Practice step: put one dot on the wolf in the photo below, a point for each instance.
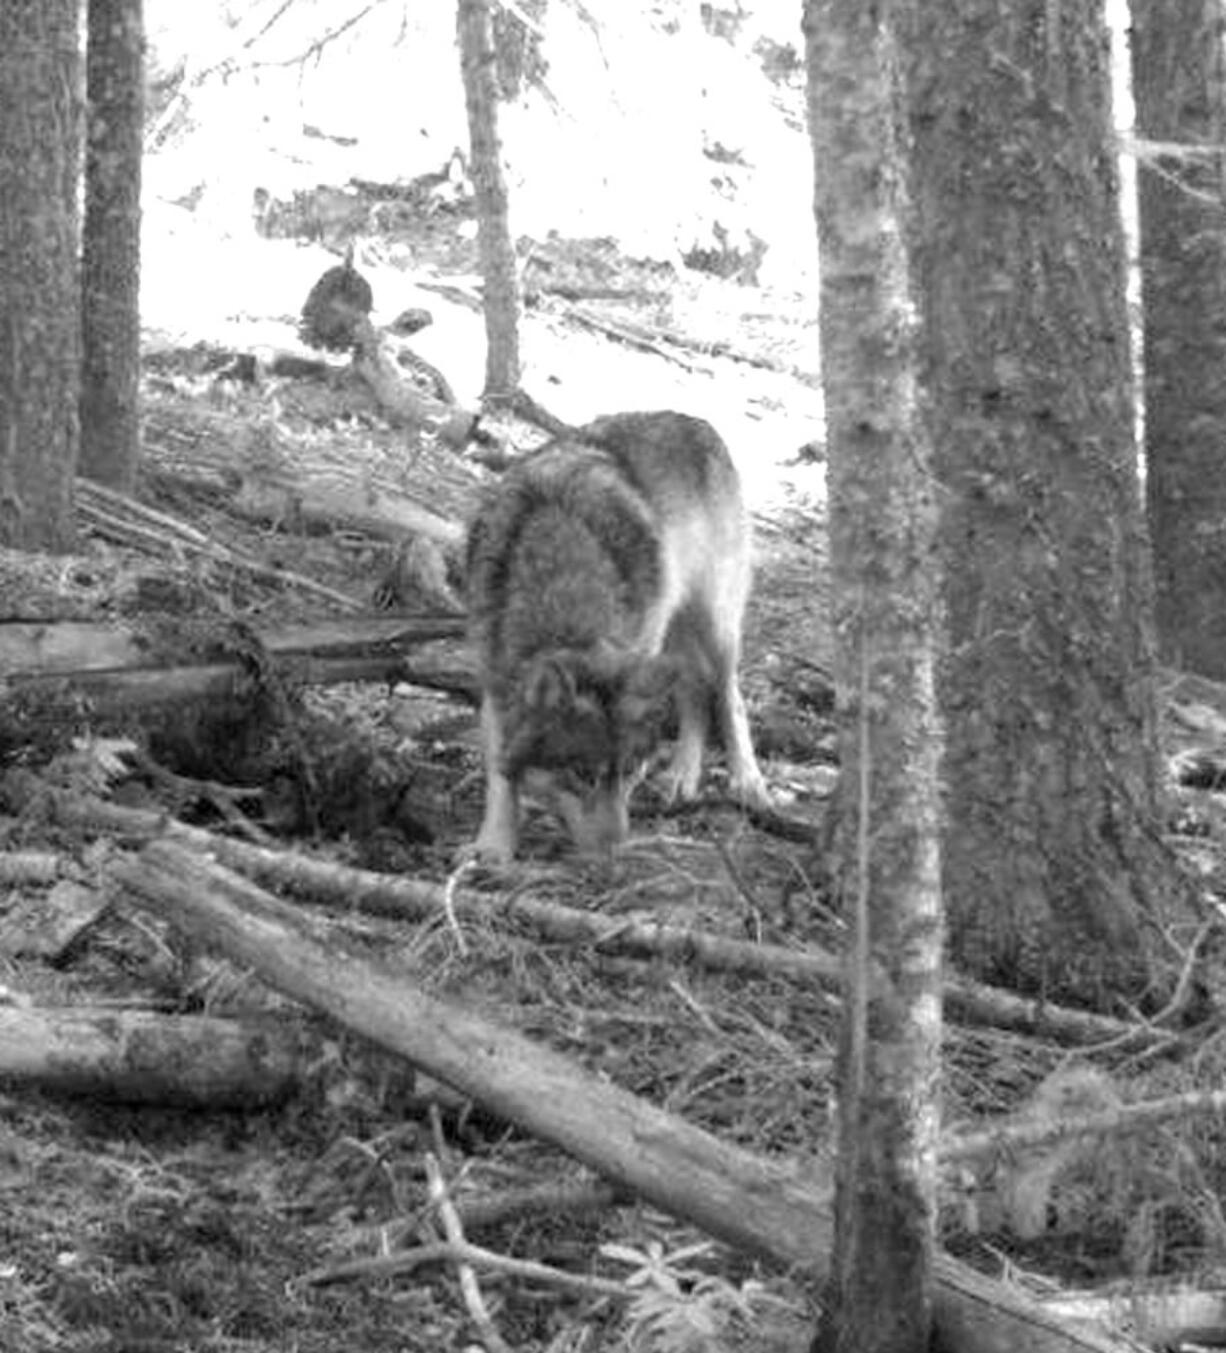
(607, 575)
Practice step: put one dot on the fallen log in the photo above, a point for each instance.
(114, 516)
(266, 476)
(46, 925)
(412, 899)
(343, 499)
(50, 664)
(1163, 1314)
(780, 1211)
(140, 1057)
(36, 648)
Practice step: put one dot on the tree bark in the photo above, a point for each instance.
(1179, 85)
(52, 672)
(138, 1057)
(40, 381)
(47, 924)
(110, 246)
(762, 1206)
(883, 524)
(1056, 879)
(497, 249)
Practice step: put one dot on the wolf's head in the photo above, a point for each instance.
(580, 729)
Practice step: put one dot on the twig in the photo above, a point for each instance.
(737, 880)
(631, 335)
(224, 798)
(454, 879)
(473, 1300)
(444, 1252)
(582, 1198)
(320, 43)
(267, 25)
(1179, 998)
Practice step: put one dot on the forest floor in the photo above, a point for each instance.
(146, 1228)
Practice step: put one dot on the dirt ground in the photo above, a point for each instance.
(147, 1229)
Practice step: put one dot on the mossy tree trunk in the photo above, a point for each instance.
(40, 159)
(1179, 84)
(885, 584)
(497, 249)
(1056, 880)
(110, 269)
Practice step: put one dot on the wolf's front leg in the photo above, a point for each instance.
(685, 768)
(499, 834)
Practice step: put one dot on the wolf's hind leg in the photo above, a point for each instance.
(744, 775)
(685, 769)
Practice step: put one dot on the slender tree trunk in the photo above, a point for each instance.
(883, 525)
(1055, 877)
(110, 271)
(498, 264)
(40, 121)
(517, 46)
(1179, 83)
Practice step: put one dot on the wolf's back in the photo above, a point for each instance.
(668, 457)
(571, 546)
(607, 580)
(563, 551)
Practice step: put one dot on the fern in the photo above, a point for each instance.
(678, 1308)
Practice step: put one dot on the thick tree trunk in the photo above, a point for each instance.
(498, 265)
(110, 261)
(883, 523)
(1055, 877)
(1179, 84)
(40, 156)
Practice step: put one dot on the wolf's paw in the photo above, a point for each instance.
(493, 850)
(677, 789)
(679, 780)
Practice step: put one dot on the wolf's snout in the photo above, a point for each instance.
(600, 824)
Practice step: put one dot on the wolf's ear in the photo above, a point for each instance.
(648, 692)
(549, 685)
